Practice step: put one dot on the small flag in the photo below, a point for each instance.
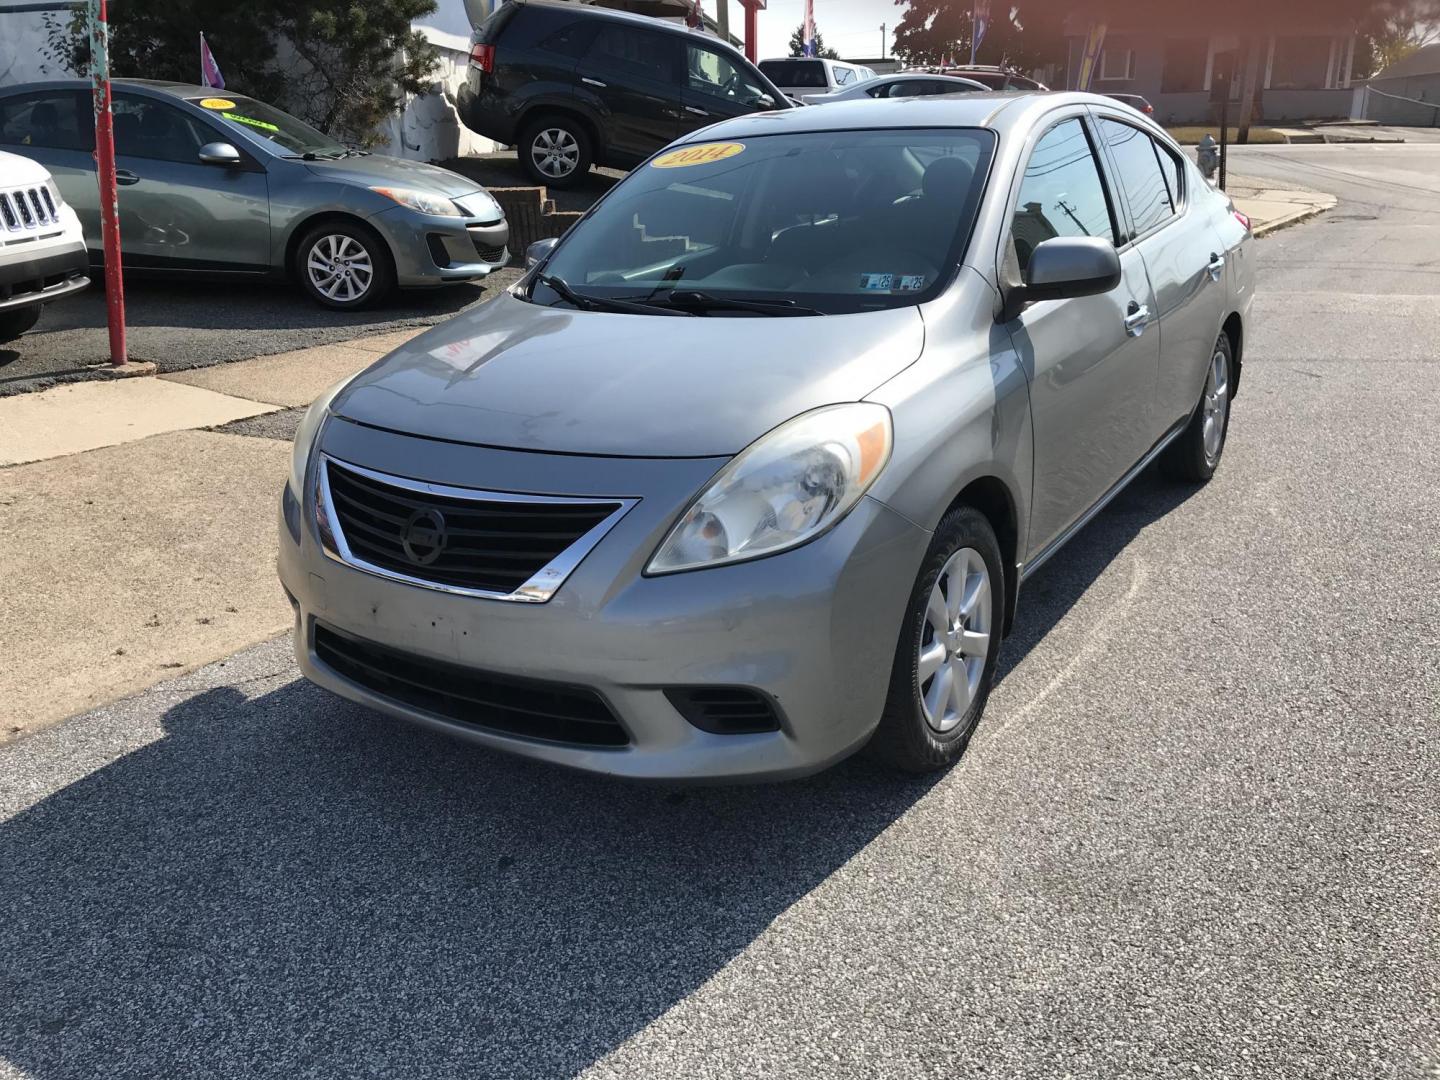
(209, 70)
(980, 22)
(808, 34)
(695, 20)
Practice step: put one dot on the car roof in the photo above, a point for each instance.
(629, 18)
(998, 109)
(172, 89)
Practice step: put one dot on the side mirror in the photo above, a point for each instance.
(219, 153)
(536, 252)
(765, 101)
(1064, 267)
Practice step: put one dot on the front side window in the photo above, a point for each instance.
(278, 131)
(1136, 160)
(844, 76)
(708, 72)
(152, 129)
(837, 221)
(637, 53)
(55, 119)
(1061, 193)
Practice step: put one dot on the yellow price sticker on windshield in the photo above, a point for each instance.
(704, 154)
(216, 103)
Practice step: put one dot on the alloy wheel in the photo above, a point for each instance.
(340, 268)
(955, 640)
(1216, 405)
(555, 152)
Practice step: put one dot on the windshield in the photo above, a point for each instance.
(835, 221)
(794, 72)
(280, 132)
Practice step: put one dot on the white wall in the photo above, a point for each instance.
(22, 48)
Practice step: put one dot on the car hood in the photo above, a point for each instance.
(523, 376)
(379, 169)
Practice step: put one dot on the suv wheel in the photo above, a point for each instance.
(1195, 455)
(555, 151)
(16, 322)
(949, 643)
(344, 265)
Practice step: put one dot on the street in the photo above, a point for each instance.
(1195, 835)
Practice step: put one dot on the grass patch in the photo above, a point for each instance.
(1190, 135)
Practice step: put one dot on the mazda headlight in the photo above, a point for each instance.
(785, 489)
(423, 201)
(305, 436)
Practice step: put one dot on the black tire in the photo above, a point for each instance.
(333, 243)
(561, 140)
(1190, 458)
(906, 738)
(16, 322)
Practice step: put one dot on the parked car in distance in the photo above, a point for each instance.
(801, 75)
(1136, 101)
(570, 86)
(42, 252)
(897, 86)
(749, 470)
(996, 78)
(217, 183)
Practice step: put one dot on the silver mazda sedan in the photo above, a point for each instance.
(749, 471)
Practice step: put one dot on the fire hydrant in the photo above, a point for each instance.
(1207, 156)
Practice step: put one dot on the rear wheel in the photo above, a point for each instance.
(16, 322)
(949, 643)
(344, 265)
(1195, 455)
(555, 151)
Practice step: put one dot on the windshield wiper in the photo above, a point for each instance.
(692, 300)
(600, 303)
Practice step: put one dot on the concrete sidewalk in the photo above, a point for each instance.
(1270, 208)
(134, 545)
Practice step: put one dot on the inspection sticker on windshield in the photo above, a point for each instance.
(261, 124)
(892, 282)
(216, 103)
(697, 155)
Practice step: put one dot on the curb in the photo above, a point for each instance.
(1293, 218)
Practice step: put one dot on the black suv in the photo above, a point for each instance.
(570, 86)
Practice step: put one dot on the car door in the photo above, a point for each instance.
(1182, 257)
(57, 129)
(177, 212)
(717, 87)
(635, 77)
(1092, 365)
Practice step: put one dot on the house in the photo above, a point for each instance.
(1298, 76)
(1406, 93)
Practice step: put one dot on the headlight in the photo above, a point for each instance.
(785, 489)
(305, 437)
(55, 194)
(423, 201)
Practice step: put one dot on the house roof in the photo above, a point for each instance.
(1424, 61)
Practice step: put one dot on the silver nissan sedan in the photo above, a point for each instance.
(748, 471)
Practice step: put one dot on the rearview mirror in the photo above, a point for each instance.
(219, 153)
(536, 252)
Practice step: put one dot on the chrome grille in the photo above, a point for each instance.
(26, 209)
(481, 543)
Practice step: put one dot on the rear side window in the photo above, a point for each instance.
(1061, 193)
(1174, 168)
(55, 119)
(1147, 190)
(807, 73)
(635, 52)
(569, 41)
(843, 76)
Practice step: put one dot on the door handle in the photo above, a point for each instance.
(126, 177)
(697, 112)
(1217, 264)
(593, 82)
(1136, 318)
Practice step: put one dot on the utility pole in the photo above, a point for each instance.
(105, 171)
(722, 19)
(882, 39)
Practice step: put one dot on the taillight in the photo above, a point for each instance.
(483, 57)
(1241, 218)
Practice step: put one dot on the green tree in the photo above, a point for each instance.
(797, 44)
(932, 30)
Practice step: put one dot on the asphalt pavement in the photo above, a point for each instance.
(1195, 836)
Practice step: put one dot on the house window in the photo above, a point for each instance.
(1117, 64)
(1300, 63)
(1184, 66)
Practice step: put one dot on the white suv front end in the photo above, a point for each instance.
(42, 250)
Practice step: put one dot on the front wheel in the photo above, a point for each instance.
(344, 266)
(16, 322)
(1195, 455)
(949, 643)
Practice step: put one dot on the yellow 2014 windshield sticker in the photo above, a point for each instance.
(261, 124)
(704, 154)
(216, 103)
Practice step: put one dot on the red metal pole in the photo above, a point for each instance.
(105, 169)
(751, 28)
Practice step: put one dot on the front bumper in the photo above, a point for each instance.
(813, 629)
(40, 279)
(432, 250)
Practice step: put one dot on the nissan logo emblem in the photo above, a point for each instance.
(423, 536)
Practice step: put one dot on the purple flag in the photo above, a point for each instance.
(209, 70)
